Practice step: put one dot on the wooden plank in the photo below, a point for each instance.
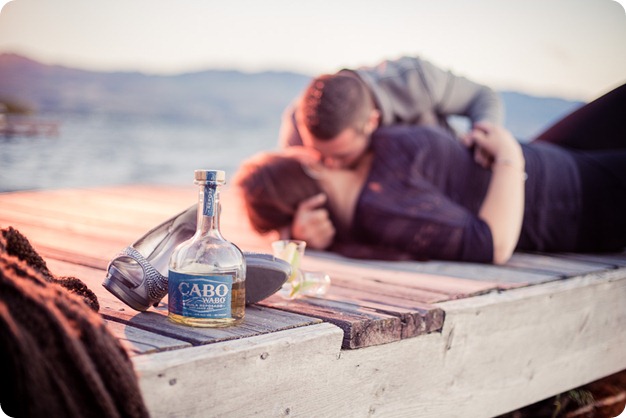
(480, 361)
(370, 312)
(166, 377)
(158, 194)
(89, 205)
(362, 326)
(386, 289)
(496, 353)
(137, 341)
(50, 254)
(555, 265)
(610, 259)
(505, 277)
(66, 242)
(95, 224)
(151, 198)
(523, 269)
(105, 213)
(416, 318)
(363, 323)
(259, 320)
(453, 287)
(366, 318)
(59, 221)
(363, 290)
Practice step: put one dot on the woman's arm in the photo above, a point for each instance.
(503, 207)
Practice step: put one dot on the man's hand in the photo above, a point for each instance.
(311, 223)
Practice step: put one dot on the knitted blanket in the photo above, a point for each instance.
(57, 359)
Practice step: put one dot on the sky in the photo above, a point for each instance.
(575, 49)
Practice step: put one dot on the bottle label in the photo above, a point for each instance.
(200, 296)
(209, 199)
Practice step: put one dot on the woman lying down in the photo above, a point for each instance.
(420, 194)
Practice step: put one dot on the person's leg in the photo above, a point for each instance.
(603, 185)
(595, 126)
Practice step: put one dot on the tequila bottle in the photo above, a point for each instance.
(207, 273)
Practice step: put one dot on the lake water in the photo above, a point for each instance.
(103, 150)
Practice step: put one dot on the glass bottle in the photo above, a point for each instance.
(206, 283)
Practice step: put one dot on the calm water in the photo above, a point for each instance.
(105, 150)
(94, 151)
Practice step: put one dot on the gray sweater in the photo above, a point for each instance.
(413, 91)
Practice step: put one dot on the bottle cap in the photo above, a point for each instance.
(210, 176)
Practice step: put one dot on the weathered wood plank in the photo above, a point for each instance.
(610, 259)
(479, 364)
(505, 277)
(258, 320)
(168, 377)
(58, 221)
(496, 353)
(453, 287)
(366, 318)
(362, 326)
(44, 239)
(92, 206)
(416, 318)
(109, 219)
(88, 227)
(386, 289)
(158, 194)
(137, 341)
(555, 265)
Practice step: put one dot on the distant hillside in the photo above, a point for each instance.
(527, 116)
(219, 97)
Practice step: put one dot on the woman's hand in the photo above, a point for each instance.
(311, 223)
(491, 143)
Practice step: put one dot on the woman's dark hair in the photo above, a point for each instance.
(333, 102)
(272, 186)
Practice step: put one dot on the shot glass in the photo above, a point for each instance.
(300, 283)
(314, 283)
(292, 252)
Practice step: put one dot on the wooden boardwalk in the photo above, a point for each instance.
(391, 338)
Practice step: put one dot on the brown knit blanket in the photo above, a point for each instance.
(57, 359)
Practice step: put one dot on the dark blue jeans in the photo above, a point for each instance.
(598, 125)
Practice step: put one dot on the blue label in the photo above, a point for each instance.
(199, 296)
(209, 199)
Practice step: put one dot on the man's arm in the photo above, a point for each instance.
(413, 91)
(288, 135)
(455, 95)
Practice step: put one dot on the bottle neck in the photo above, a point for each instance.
(209, 210)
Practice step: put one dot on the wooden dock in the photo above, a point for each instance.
(22, 126)
(427, 339)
